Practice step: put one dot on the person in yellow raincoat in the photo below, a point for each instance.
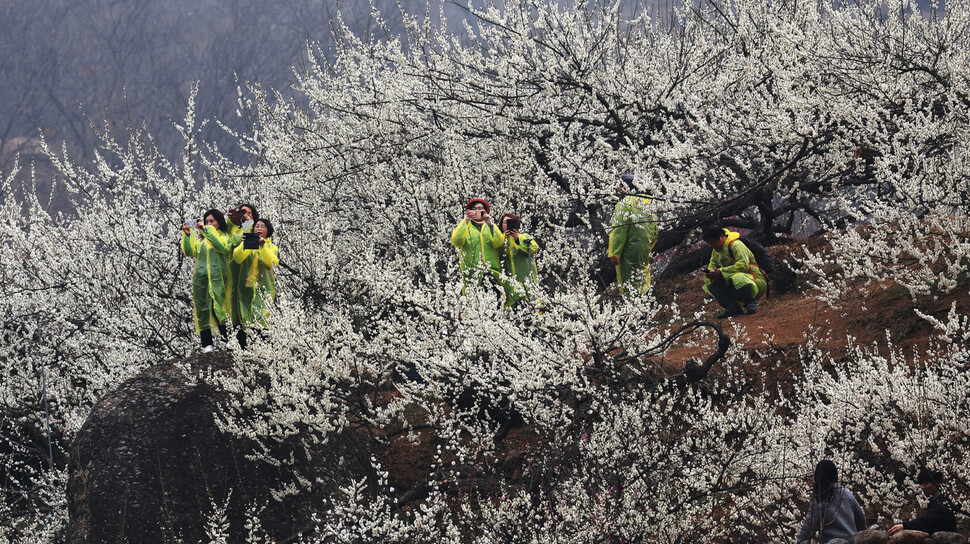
(255, 285)
(518, 260)
(733, 277)
(240, 221)
(633, 234)
(211, 282)
(479, 242)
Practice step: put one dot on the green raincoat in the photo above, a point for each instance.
(737, 265)
(519, 266)
(211, 282)
(235, 240)
(632, 237)
(254, 285)
(479, 245)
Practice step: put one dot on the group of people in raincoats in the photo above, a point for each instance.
(500, 254)
(496, 253)
(233, 279)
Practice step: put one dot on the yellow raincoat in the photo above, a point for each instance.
(737, 265)
(254, 285)
(211, 282)
(519, 266)
(235, 240)
(632, 237)
(479, 245)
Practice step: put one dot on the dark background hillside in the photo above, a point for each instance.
(69, 67)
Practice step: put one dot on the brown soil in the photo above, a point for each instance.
(864, 314)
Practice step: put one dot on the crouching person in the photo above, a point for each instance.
(939, 515)
(255, 284)
(733, 277)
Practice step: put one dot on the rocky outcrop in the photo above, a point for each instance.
(149, 463)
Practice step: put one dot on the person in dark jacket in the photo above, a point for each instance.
(939, 514)
(834, 512)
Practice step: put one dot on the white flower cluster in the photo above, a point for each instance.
(851, 118)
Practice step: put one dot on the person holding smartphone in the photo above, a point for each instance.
(255, 285)
(211, 248)
(241, 220)
(479, 242)
(518, 262)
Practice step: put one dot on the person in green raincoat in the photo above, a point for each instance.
(240, 221)
(518, 260)
(732, 277)
(480, 243)
(632, 237)
(255, 286)
(211, 282)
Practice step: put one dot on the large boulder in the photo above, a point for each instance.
(150, 462)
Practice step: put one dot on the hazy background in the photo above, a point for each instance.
(69, 65)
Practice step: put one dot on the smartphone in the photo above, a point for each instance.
(191, 223)
(250, 240)
(512, 224)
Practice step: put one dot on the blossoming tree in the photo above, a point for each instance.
(851, 118)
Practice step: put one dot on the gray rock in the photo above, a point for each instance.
(871, 536)
(149, 461)
(944, 537)
(907, 536)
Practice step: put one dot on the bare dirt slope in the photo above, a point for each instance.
(864, 314)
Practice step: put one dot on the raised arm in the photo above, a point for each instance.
(460, 234)
(190, 245)
(219, 240)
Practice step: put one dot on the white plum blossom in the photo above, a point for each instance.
(849, 119)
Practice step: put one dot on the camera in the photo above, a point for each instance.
(191, 222)
(250, 240)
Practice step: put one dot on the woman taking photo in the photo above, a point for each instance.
(210, 281)
(255, 283)
(834, 512)
(519, 262)
(479, 241)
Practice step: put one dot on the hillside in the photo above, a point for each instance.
(771, 339)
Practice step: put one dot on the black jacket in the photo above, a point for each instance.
(938, 516)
